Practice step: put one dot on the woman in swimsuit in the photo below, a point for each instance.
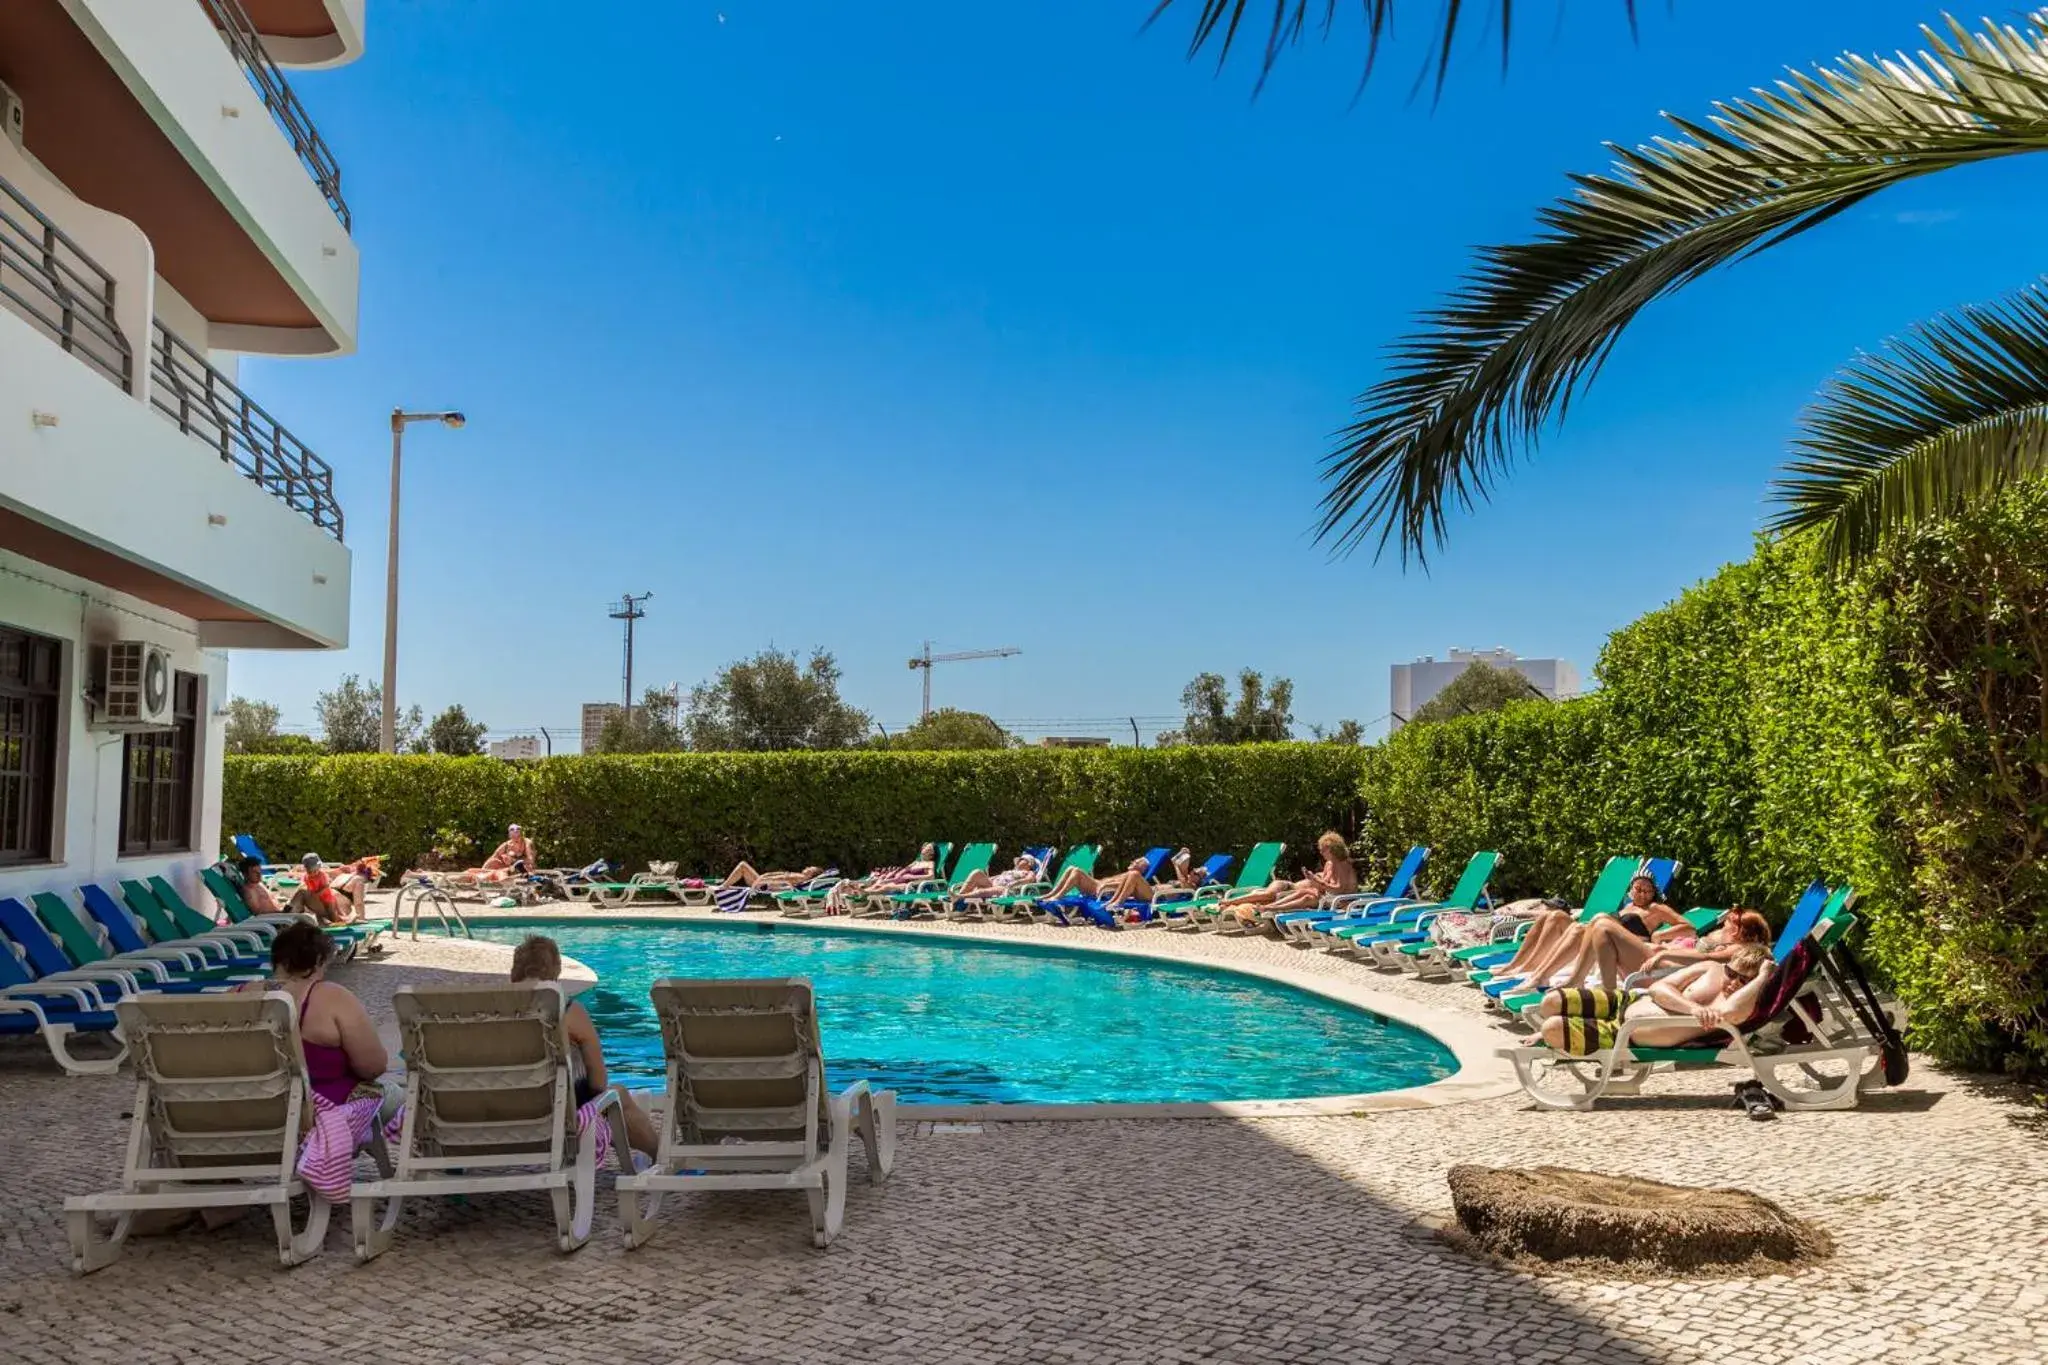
(745, 875)
(1556, 938)
(1336, 877)
(980, 884)
(539, 958)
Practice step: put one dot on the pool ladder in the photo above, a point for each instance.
(439, 902)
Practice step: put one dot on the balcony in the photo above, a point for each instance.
(49, 281)
(239, 33)
(205, 404)
(148, 110)
(309, 33)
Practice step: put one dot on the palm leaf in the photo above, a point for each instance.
(1527, 330)
(1938, 420)
(1219, 22)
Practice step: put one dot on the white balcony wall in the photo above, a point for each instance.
(86, 837)
(341, 47)
(173, 59)
(78, 455)
(116, 245)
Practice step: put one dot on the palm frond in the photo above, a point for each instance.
(1219, 22)
(1938, 420)
(1501, 361)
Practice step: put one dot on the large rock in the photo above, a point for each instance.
(1549, 1213)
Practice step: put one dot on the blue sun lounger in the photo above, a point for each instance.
(1295, 924)
(56, 1009)
(1093, 910)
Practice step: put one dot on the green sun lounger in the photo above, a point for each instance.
(1202, 908)
(927, 897)
(1022, 903)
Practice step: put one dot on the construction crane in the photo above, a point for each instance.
(927, 659)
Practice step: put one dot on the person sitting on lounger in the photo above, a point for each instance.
(255, 894)
(1690, 1006)
(1615, 949)
(539, 958)
(980, 885)
(332, 897)
(1129, 884)
(1336, 877)
(514, 858)
(745, 875)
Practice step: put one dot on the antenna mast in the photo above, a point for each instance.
(629, 609)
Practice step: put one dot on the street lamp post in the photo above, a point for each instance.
(400, 420)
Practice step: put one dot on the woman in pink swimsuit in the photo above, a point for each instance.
(344, 1058)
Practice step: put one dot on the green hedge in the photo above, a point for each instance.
(855, 810)
(1773, 724)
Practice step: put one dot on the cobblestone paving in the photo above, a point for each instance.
(1286, 1240)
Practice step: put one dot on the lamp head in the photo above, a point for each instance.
(452, 419)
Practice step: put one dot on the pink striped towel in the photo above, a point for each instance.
(327, 1158)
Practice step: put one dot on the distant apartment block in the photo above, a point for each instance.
(1411, 686)
(595, 714)
(1074, 742)
(519, 746)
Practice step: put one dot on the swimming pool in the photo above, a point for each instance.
(953, 1022)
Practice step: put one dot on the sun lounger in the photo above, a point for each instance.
(1607, 896)
(490, 1108)
(1076, 904)
(58, 1009)
(1022, 902)
(1202, 908)
(1800, 1027)
(929, 897)
(873, 902)
(748, 1107)
(231, 944)
(221, 1100)
(1296, 926)
(964, 908)
(1355, 931)
(76, 946)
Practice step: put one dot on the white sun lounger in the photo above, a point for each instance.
(747, 1106)
(489, 1108)
(221, 1102)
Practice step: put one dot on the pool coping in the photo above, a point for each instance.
(1471, 1040)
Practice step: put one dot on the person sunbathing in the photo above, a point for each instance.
(1129, 884)
(882, 881)
(979, 885)
(1336, 877)
(1614, 951)
(1555, 938)
(1693, 1005)
(745, 875)
(256, 896)
(539, 958)
(513, 858)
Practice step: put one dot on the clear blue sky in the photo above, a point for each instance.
(848, 325)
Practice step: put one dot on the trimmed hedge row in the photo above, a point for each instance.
(856, 809)
(1771, 725)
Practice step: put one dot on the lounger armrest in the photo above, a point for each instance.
(42, 993)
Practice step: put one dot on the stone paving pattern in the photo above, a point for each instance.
(1284, 1240)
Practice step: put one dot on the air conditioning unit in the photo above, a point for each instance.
(11, 114)
(131, 686)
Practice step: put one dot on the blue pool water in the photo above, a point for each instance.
(950, 1022)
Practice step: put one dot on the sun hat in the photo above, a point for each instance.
(310, 860)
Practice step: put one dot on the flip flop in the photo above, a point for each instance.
(1756, 1101)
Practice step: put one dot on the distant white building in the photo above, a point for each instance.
(519, 746)
(1411, 686)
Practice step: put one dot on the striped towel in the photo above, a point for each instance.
(731, 899)
(327, 1158)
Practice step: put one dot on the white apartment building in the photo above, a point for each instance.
(1410, 686)
(166, 204)
(518, 746)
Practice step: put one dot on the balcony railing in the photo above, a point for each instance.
(242, 40)
(206, 405)
(47, 279)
